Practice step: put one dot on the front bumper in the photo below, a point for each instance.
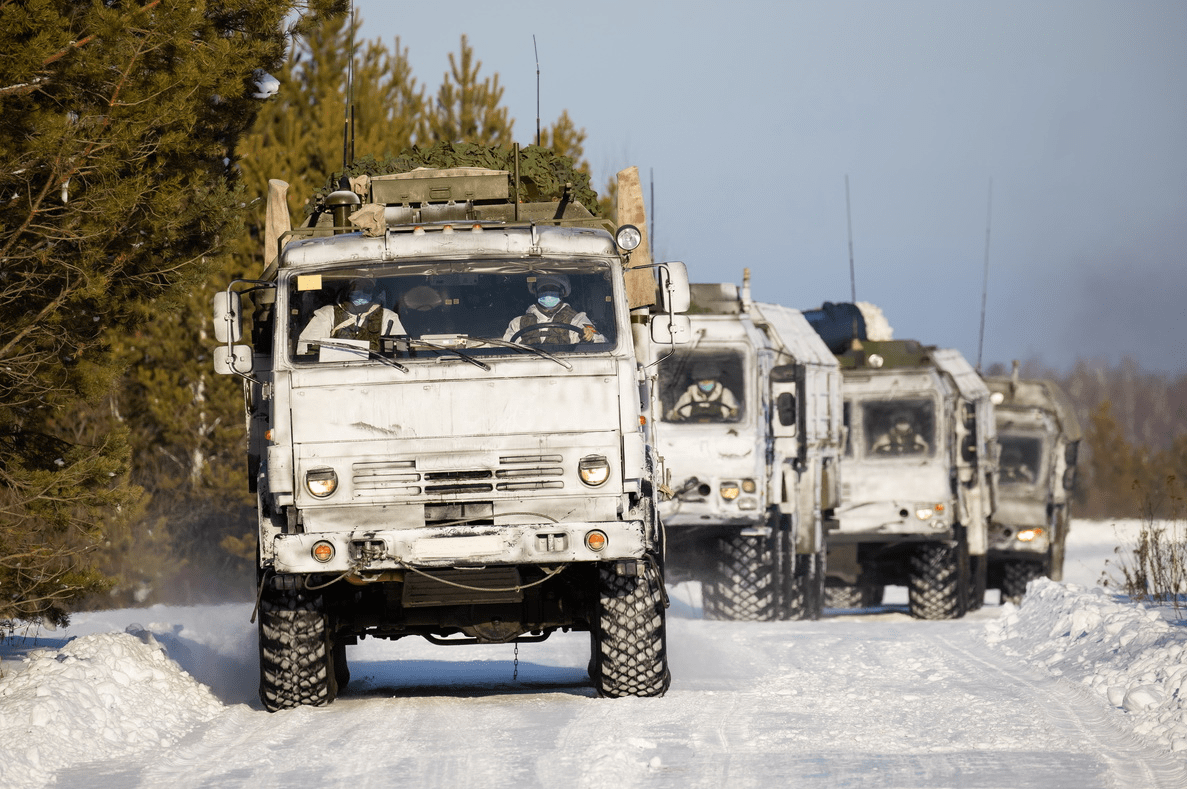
(458, 546)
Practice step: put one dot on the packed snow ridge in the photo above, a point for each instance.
(1128, 653)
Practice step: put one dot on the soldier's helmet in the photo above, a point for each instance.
(550, 282)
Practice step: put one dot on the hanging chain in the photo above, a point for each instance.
(515, 672)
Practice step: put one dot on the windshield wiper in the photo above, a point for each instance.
(508, 344)
(434, 346)
(344, 346)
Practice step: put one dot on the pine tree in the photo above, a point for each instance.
(117, 125)
(467, 108)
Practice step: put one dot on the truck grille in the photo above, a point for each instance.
(390, 479)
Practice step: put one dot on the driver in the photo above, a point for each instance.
(705, 398)
(357, 315)
(901, 438)
(550, 307)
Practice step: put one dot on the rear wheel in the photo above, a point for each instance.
(1016, 574)
(938, 583)
(743, 584)
(978, 577)
(296, 651)
(843, 595)
(630, 651)
(805, 590)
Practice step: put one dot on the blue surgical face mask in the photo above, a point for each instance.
(548, 300)
(706, 386)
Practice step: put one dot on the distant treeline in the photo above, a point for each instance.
(1133, 459)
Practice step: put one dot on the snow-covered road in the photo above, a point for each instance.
(868, 699)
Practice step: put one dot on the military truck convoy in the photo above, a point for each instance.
(751, 438)
(450, 406)
(1039, 437)
(477, 412)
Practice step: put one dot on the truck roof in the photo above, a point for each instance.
(1037, 393)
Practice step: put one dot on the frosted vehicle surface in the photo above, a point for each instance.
(450, 425)
(919, 473)
(1038, 436)
(751, 437)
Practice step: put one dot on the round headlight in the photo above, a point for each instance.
(321, 482)
(593, 470)
(749, 486)
(729, 491)
(1030, 535)
(924, 513)
(628, 238)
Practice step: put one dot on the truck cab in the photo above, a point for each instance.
(751, 439)
(919, 471)
(1039, 436)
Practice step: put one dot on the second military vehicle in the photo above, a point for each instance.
(1039, 439)
(751, 439)
(449, 423)
(919, 467)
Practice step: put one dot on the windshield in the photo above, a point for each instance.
(897, 428)
(702, 385)
(450, 309)
(1021, 459)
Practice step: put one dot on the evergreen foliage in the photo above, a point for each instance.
(191, 535)
(117, 126)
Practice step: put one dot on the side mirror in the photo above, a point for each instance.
(235, 359)
(968, 449)
(785, 407)
(1069, 478)
(228, 316)
(671, 329)
(674, 295)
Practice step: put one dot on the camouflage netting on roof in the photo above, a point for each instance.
(543, 173)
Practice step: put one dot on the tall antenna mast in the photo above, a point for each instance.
(537, 51)
(985, 276)
(348, 120)
(651, 233)
(849, 222)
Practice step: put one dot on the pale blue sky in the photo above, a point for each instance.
(747, 117)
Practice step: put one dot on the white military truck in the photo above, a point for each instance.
(919, 467)
(449, 423)
(1038, 437)
(751, 439)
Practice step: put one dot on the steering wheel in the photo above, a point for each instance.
(545, 327)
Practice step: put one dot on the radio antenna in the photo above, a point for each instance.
(985, 275)
(849, 222)
(537, 51)
(348, 119)
(651, 234)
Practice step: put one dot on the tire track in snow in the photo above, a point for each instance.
(1079, 716)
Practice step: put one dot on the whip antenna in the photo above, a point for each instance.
(849, 222)
(985, 276)
(537, 51)
(348, 119)
(651, 235)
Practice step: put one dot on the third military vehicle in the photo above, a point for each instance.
(1039, 437)
(751, 438)
(918, 467)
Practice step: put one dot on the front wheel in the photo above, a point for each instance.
(1016, 574)
(938, 583)
(629, 639)
(743, 584)
(296, 651)
(805, 590)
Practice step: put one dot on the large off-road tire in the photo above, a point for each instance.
(805, 591)
(844, 595)
(1016, 574)
(744, 582)
(630, 649)
(296, 651)
(938, 583)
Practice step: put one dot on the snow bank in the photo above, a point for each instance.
(1128, 653)
(98, 697)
